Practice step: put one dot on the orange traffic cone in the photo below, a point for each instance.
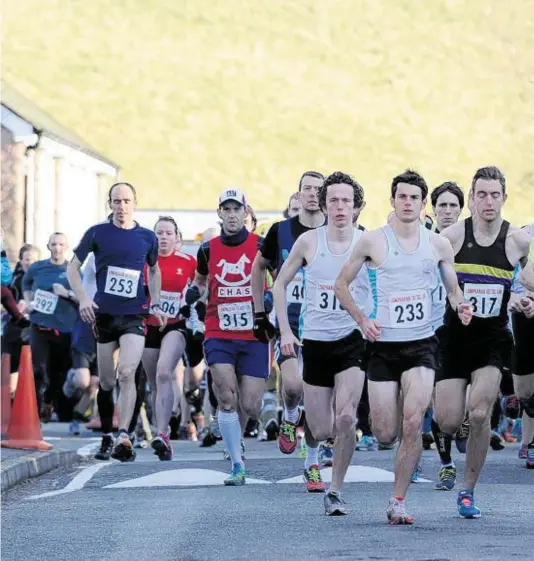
(24, 430)
(6, 392)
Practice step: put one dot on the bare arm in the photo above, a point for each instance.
(292, 264)
(526, 276)
(28, 298)
(448, 273)
(257, 281)
(75, 279)
(154, 283)
(348, 273)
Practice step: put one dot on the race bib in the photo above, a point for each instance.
(122, 282)
(295, 290)
(170, 303)
(325, 297)
(409, 309)
(235, 317)
(438, 296)
(45, 302)
(486, 299)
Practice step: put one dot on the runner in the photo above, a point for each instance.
(239, 364)
(487, 249)
(293, 206)
(164, 347)
(53, 318)
(275, 250)
(402, 259)
(121, 248)
(332, 344)
(447, 203)
(526, 277)
(523, 368)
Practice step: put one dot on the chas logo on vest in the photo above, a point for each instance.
(234, 288)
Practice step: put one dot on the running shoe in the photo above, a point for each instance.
(530, 456)
(237, 477)
(523, 452)
(447, 478)
(517, 430)
(69, 388)
(462, 434)
(123, 448)
(417, 472)
(287, 440)
(326, 453)
(367, 444)
(466, 505)
(174, 427)
(511, 406)
(74, 428)
(496, 441)
(162, 447)
(106, 447)
(334, 505)
(208, 440)
(396, 513)
(313, 480)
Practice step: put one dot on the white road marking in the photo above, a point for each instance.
(356, 474)
(179, 478)
(76, 484)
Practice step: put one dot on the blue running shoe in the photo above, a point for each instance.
(367, 443)
(447, 478)
(326, 453)
(237, 477)
(417, 472)
(466, 505)
(74, 428)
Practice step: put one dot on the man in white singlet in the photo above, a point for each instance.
(332, 345)
(401, 259)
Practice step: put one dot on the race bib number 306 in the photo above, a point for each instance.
(485, 298)
(122, 282)
(45, 302)
(235, 317)
(170, 303)
(409, 309)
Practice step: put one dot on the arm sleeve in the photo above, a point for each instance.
(152, 257)
(269, 245)
(203, 257)
(85, 246)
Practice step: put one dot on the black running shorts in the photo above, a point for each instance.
(110, 329)
(389, 360)
(523, 355)
(322, 360)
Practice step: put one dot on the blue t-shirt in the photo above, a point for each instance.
(50, 310)
(120, 258)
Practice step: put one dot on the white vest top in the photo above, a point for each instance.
(401, 288)
(322, 317)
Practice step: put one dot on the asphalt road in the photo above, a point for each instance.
(180, 511)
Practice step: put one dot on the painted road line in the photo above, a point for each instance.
(78, 482)
(356, 474)
(180, 478)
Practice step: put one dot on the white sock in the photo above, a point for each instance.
(312, 457)
(231, 432)
(291, 415)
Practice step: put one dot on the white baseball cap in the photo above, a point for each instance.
(233, 194)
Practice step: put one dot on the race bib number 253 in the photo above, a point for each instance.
(122, 282)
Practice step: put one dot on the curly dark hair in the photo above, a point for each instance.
(337, 178)
(410, 177)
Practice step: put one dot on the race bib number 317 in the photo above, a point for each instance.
(409, 309)
(486, 299)
(122, 282)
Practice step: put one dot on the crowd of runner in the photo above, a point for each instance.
(312, 330)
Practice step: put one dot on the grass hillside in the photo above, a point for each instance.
(191, 96)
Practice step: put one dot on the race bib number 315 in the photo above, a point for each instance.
(122, 282)
(409, 309)
(235, 317)
(45, 302)
(485, 298)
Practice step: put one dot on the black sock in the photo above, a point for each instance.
(443, 443)
(105, 404)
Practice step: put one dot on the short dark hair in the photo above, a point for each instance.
(286, 210)
(122, 183)
(488, 173)
(448, 187)
(26, 247)
(340, 177)
(310, 173)
(410, 177)
(168, 219)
